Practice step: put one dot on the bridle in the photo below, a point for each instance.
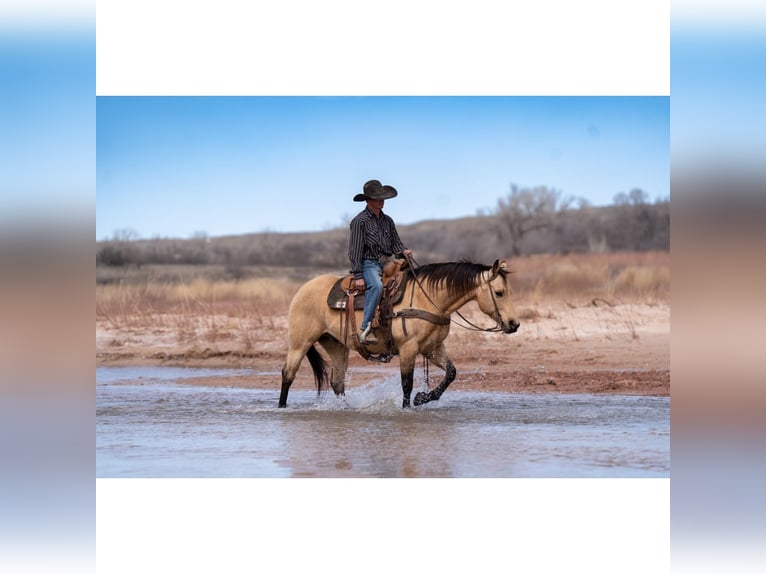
(470, 327)
(496, 314)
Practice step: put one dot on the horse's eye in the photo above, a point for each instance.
(499, 294)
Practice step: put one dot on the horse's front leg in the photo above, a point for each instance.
(440, 358)
(407, 387)
(407, 368)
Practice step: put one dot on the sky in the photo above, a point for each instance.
(176, 166)
(47, 119)
(718, 91)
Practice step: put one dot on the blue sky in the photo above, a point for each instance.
(718, 87)
(47, 119)
(173, 166)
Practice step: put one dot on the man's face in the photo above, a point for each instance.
(375, 204)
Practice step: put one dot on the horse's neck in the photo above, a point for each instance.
(440, 301)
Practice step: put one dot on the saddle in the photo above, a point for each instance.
(393, 273)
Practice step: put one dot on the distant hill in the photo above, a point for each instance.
(478, 238)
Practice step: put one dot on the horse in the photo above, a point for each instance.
(420, 323)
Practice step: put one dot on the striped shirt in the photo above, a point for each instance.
(371, 237)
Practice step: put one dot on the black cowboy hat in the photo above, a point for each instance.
(374, 190)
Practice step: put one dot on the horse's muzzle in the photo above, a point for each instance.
(511, 326)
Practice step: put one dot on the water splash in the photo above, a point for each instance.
(378, 395)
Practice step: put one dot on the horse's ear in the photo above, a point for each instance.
(498, 266)
(495, 269)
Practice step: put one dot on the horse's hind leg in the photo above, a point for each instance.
(440, 358)
(338, 353)
(292, 363)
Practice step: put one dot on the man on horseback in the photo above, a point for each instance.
(373, 240)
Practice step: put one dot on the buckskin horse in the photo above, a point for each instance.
(419, 323)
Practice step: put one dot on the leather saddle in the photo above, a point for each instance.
(393, 287)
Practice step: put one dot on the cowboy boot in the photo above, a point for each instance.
(368, 337)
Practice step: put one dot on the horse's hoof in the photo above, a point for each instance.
(421, 398)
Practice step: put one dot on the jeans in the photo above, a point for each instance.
(372, 272)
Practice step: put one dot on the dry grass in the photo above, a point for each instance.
(202, 311)
(212, 311)
(643, 277)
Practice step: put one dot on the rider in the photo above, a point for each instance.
(373, 239)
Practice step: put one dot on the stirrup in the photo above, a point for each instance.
(366, 336)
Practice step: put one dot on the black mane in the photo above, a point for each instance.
(458, 277)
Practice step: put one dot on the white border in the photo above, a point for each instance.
(401, 47)
(379, 525)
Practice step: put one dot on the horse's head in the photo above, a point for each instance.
(494, 297)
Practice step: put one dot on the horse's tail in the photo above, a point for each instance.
(319, 366)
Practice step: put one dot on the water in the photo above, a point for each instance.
(149, 425)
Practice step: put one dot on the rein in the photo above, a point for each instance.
(496, 316)
(414, 266)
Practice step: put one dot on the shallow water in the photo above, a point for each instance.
(149, 425)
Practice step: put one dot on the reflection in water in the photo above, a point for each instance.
(358, 443)
(149, 426)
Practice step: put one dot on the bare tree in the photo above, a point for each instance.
(635, 196)
(637, 224)
(525, 210)
(125, 234)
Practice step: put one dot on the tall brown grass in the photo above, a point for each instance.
(201, 310)
(204, 308)
(642, 277)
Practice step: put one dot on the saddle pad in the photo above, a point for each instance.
(337, 297)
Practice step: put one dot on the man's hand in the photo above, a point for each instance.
(359, 284)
